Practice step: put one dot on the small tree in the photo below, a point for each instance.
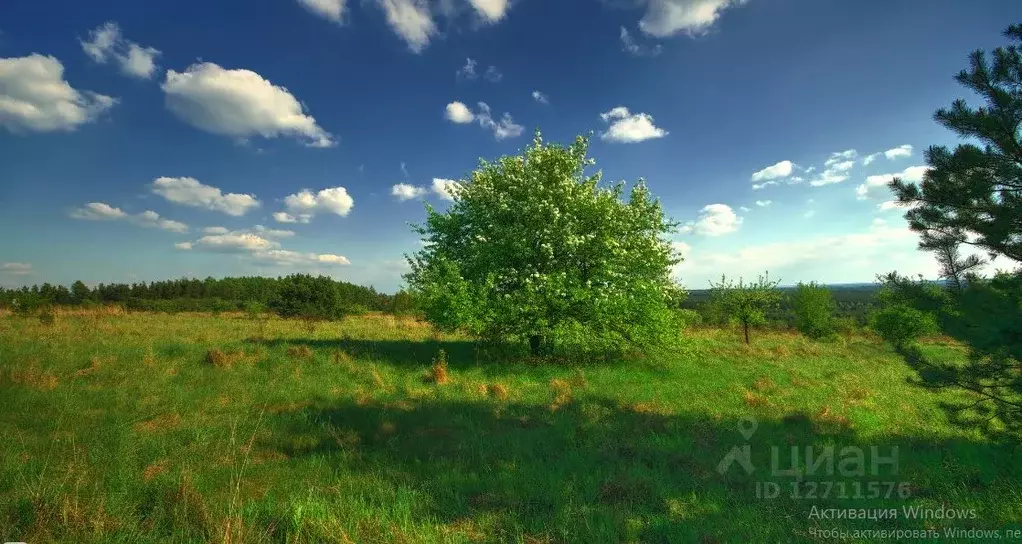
(745, 303)
(306, 297)
(533, 248)
(814, 307)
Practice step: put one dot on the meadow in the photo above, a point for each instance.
(141, 427)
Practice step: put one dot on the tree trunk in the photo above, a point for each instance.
(746, 325)
(535, 344)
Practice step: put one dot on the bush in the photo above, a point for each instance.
(813, 308)
(307, 297)
(900, 325)
(689, 317)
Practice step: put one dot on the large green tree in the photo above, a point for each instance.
(973, 196)
(534, 248)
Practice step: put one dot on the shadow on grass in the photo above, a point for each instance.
(460, 354)
(591, 470)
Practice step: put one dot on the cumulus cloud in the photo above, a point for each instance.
(411, 20)
(765, 184)
(152, 219)
(190, 192)
(540, 97)
(490, 11)
(35, 97)
(100, 211)
(763, 203)
(272, 233)
(714, 220)
(240, 104)
(458, 112)
(626, 127)
(185, 246)
(16, 269)
(405, 191)
(445, 188)
(782, 169)
(234, 242)
(288, 257)
(332, 10)
(304, 205)
(868, 159)
(669, 17)
(876, 188)
(898, 152)
(836, 168)
(106, 44)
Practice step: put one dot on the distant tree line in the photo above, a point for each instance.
(210, 294)
(852, 303)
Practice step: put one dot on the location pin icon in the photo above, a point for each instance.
(747, 426)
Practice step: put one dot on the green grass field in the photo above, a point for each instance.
(190, 428)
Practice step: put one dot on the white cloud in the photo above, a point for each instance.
(812, 258)
(836, 168)
(669, 17)
(445, 188)
(889, 205)
(284, 217)
(272, 233)
(35, 97)
(897, 152)
(782, 169)
(468, 71)
(405, 191)
(215, 230)
(16, 269)
(106, 43)
(411, 20)
(185, 246)
(98, 211)
(152, 219)
(457, 112)
(490, 11)
(240, 104)
(291, 258)
(235, 242)
(303, 205)
(745, 208)
(875, 186)
(714, 220)
(332, 10)
(190, 192)
(629, 45)
(765, 184)
(841, 156)
(626, 127)
(505, 128)
(493, 75)
(540, 97)
(868, 159)
(763, 203)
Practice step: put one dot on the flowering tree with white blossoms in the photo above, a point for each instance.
(534, 249)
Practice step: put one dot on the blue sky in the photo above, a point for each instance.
(143, 141)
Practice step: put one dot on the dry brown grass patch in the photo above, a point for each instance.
(300, 351)
(223, 359)
(33, 377)
(93, 367)
(764, 384)
(561, 392)
(159, 423)
(827, 420)
(438, 372)
(154, 470)
(499, 390)
(753, 400)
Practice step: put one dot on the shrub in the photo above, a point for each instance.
(813, 307)
(46, 316)
(900, 325)
(438, 372)
(689, 317)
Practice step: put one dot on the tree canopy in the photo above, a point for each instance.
(534, 248)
